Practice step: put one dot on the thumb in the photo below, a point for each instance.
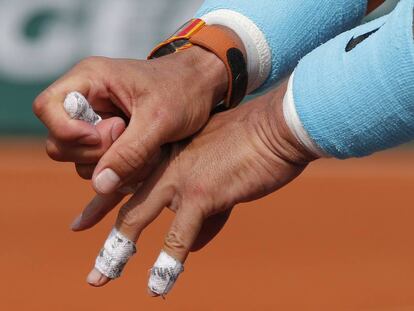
(111, 129)
(128, 156)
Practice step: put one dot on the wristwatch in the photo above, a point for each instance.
(219, 40)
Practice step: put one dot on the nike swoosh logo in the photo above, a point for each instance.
(357, 40)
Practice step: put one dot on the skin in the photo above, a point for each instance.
(157, 111)
(248, 151)
(161, 99)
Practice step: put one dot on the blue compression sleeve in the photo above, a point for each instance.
(290, 28)
(355, 94)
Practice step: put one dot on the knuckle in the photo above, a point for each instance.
(195, 190)
(174, 240)
(132, 157)
(92, 62)
(40, 102)
(163, 118)
(197, 196)
(161, 113)
(129, 217)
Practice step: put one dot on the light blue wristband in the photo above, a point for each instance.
(291, 28)
(355, 94)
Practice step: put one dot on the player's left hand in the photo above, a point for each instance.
(241, 155)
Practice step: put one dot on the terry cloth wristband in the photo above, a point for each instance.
(355, 94)
(277, 34)
(218, 40)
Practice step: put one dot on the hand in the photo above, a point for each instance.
(241, 155)
(165, 100)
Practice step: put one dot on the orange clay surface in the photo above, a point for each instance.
(340, 237)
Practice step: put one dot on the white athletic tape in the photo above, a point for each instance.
(79, 108)
(114, 255)
(259, 54)
(164, 273)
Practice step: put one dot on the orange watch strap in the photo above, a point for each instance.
(221, 41)
(226, 45)
(178, 41)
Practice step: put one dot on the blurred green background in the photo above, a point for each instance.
(344, 228)
(41, 39)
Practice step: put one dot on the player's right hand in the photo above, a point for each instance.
(145, 104)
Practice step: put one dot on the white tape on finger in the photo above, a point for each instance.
(115, 254)
(78, 108)
(164, 273)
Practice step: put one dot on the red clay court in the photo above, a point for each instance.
(341, 237)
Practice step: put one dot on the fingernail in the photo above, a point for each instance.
(76, 223)
(95, 278)
(117, 130)
(107, 181)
